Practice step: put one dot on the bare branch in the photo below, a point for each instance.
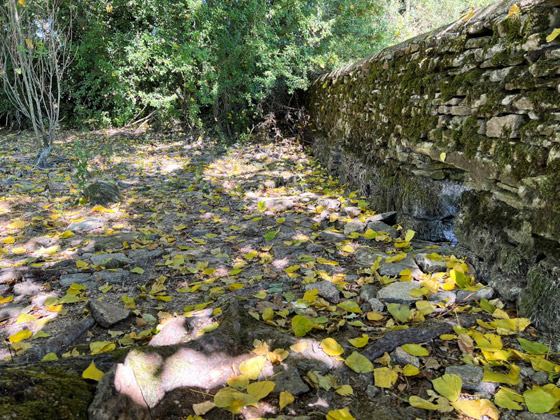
(35, 52)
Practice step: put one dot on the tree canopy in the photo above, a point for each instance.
(220, 62)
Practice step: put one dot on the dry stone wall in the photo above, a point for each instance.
(459, 131)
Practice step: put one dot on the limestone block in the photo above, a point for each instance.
(506, 126)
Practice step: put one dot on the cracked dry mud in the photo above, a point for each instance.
(218, 257)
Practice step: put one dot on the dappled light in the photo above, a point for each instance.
(262, 213)
(221, 268)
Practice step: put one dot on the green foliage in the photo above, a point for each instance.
(222, 63)
(409, 18)
(226, 61)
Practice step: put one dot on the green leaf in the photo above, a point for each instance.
(532, 347)
(137, 270)
(401, 312)
(350, 306)
(539, 401)
(421, 403)
(448, 385)
(301, 325)
(358, 363)
(415, 349)
(409, 235)
(460, 279)
(508, 398)
(269, 236)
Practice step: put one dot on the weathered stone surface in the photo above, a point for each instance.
(107, 314)
(102, 243)
(379, 226)
(113, 260)
(354, 226)
(393, 269)
(352, 211)
(468, 296)
(326, 290)
(367, 256)
(67, 279)
(85, 226)
(289, 380)
(430, 265)
(369, 294)
(140, 255)
(102, 192)
(461, 138)
(506, 126)
(111, 276)
(398, 292)
(401, 356)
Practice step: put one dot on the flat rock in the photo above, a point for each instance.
(354, 226)
(114, 260)
(289, 380)
(445, 296)
(85, 226)
(278, 204)
(378, 226)
(111, 276)
(367, 256)
(352, 211)
(102, 192)
(467, 296)
(27, 288)
(329, 203)
(398, 292)
(145, 254)
(11, 310)
(67, 279)
(471, 375)
(326, 289)
(401, 356)
(331, 236)
(368, 293)
(106, 314)
(387, 217)
(429, 265)
(393, 269)
(101, 243)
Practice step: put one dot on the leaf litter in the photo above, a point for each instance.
(201, 224)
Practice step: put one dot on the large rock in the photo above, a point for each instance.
(289, 380)
(86, 226)
(393, 269)
(101, 243)
(102, 192)
(430, 263)
(106, 314)
(67, 279)
(398, 292)
(367, 256)
(326, 290)
(379, 226)
(114, 260)
(111, 276)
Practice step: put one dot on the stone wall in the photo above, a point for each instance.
(459, 131)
